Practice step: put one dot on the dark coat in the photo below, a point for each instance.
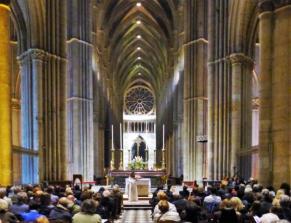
(58, 213)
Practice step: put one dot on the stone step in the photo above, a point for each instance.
(137, 205)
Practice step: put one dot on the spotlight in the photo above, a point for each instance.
(139, 74)
(138, 4)
(139, 58)
(138, 48)
(138, 22)
(138, 36)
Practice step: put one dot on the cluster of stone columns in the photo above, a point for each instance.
(275, 96)
(80, 90)
(195, 87)
(229, 97)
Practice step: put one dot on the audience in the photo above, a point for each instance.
(232, 201)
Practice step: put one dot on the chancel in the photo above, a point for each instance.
(183, 95)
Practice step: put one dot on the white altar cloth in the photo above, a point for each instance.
(142, 181)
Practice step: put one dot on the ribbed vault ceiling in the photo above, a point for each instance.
(132, 58)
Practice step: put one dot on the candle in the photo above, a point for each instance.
(112, 143)
(121, 146)
(163, 136)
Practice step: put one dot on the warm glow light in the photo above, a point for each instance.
(138, 48)
(138, 4)
(139, 58)
(138, 22)
(5, 107)
(138, 36)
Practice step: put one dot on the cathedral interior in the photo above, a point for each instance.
(198, 88)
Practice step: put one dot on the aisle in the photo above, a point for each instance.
(135, 216)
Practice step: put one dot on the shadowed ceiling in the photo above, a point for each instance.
(138, 35)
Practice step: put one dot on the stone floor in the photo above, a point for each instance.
(136, 216)
(136, 212)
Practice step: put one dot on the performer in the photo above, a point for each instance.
(132, 187)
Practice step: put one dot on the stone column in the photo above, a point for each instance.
(80, 90)
(281, 93)
(265, 95)
(31, 65)
(195, 88)
(240, 105)
(5, 99)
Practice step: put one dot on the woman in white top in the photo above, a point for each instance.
(166, 214)
(163, 196)
(132, 188)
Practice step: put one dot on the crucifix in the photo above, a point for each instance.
(138, 142)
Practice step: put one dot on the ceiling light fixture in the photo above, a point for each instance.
(138, 36)
(139, 74)
(139, 58)
(138, 4)
(138, 48)
(138, 22)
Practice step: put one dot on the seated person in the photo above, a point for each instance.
(33, 214)
(163, 197)
(165, 214)
(61, 212)
(88, 213)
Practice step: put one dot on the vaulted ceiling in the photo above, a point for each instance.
(138, 36)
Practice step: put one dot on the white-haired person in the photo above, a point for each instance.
(5, 215)
(165, 214)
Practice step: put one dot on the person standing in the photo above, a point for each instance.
(132, 187)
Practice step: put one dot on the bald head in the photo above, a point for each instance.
(71, 198)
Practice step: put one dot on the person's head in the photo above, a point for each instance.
(89, 207)
(2, 193)
(85, 195)
(3, 205)
(132, 174)
(255, 208)
(45, 199)
(228, 215)
(115, 188)
(106, 193)
(279, 193)
(68, 191)
(42, 219)
(213, 190)
(162, 196)
(23, 196)
(33, 205)
(97, 197)
(65, 202)
(277, 211)
(236, 203)
(163, 206)
(71, 198)
(226, 203)
(286, 188)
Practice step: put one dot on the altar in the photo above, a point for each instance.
(155, 177)
(143, 187)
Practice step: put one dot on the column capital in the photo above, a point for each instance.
(266, 6)
(240, 58)
(35, 54)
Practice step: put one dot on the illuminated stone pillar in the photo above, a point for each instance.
(265, 85)
(5, 112)
(240, 105)
(195, 87)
